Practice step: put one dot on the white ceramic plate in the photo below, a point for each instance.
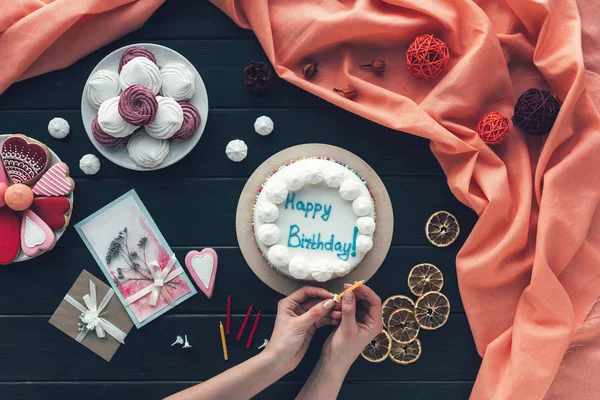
(54, 160)
(179, 148)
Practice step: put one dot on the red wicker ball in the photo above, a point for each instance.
(427, 57)
(493, 128)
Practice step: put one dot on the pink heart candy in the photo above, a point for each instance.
(202, 266)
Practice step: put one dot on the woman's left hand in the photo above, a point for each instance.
(298, 317)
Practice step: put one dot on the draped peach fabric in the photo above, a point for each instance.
(529, 273)
(37, 36)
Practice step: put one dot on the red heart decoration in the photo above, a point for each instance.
(10, 237)
(53, 211)
(23, 160)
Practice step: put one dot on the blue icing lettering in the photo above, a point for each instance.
(294, 229)
(326, 212)
(309, 208)
(343, 250)
(290, 201)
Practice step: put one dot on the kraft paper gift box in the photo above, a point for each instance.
(92, 300)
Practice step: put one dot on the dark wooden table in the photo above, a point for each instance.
(194, 204)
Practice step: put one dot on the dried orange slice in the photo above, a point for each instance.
(406, 353)
(432, 310)
(393, 303)
(442, 229)
(402, 326)
(379, 348)
(425, 278)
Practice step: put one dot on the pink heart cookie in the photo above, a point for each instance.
(36, 235)
(3, 185)
(55, 182)
(202, 266)
(24, 159)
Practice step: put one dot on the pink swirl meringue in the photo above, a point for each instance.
(138, 105)
(135, 51)
(104, 138)
(191, 121)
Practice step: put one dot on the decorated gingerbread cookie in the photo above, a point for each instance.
(55, 182)
(9, 235)
(54, 211)
(25, 160)
(36, 235)
(202, 266)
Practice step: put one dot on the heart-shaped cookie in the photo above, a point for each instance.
(25, 160)
(9, 235)
(36, 235)
(54, 211)
(55, 182)
(202, 266)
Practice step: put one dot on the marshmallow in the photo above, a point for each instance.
(58, 128)
(263, 125)
(236, 150)
(89, 164)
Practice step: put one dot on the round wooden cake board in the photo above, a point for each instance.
(383, 207)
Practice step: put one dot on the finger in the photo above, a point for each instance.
(335, 315)
(307, 292)
(370, 301)
(314, 314)
(327, 321)
(310, 303)
(348, 310)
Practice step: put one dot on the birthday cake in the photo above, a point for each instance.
(314, 219)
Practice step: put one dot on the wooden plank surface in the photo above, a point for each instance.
(193, 203)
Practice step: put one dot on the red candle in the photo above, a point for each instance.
(253, 330)
(239, 335)
(228, 319)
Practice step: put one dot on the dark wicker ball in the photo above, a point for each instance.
(535, 112)
(258, 77)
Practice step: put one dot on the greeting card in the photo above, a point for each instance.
(135, 258)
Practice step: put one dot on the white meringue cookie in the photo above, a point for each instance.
(236, 150)
(268, 212)
(147, 151)
(278, 256)
(141, 71)
(168, 121)
(333, 177)
(314, 174)
(365, 225)
(321, 271)
(110, 120)
(276, 192)
(268, 234)
(264, 125)
(58, 128)
(349, 190)
(362, 206)
(299, 267)
(101, 86)
(89, 164)
(294, 180)
(177, 82)
(364, 243)
(340, 267)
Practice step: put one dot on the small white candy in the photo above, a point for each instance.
(294, 180)
(322, 271)
(268, 212)
(340, 268)
(236, 150)
(333, 177)
(349, 190)
(263, 125)
(89, 164)
(362, 206)
(299, 267)
(314, 174)
(364, 243)
(58, 128)
(366, 225)
(276, 192)
(279, 256)
(268, 234)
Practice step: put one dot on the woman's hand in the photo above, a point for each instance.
(361, 322)
(298, 317)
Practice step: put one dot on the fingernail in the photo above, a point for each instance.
(348, 295)
(328, 304)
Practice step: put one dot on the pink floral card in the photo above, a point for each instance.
(135, 258)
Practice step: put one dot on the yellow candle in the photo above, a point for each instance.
(340, 296)
(223, 342)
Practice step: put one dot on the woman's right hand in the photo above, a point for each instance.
(361, 322)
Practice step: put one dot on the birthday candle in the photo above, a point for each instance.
(340, 296)
(228, 319)
(253, 330)
(239, 335)
(223, 342)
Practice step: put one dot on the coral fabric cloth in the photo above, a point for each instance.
(37, 36)
(529, 273)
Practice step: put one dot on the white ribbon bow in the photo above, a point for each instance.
(92, 315)
(161, 278)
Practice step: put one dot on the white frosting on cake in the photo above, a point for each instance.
(268, 234)
(141, 71)
(362, 206)
(101, 86)
(320, 235)
(177, 82)
(333, 177)
(294, 180)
